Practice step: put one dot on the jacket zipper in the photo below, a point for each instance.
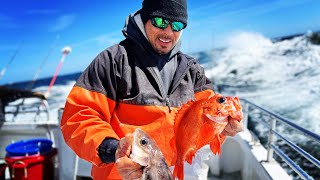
(168, 103)
(155, 76)
(176, 85)
(181, 77)
(167, 99)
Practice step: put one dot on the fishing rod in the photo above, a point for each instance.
(3, 71)
(36, 75)
(65, 51)
(31, 84)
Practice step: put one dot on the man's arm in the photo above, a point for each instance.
(85, 123)
(107, 150)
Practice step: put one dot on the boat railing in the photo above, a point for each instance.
(273, 133)
(35, 109)
(14, 102)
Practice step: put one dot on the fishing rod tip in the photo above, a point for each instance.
(66, 50)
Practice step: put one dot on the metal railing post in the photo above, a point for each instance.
(271, 139)
(245, 115)
(60, 112)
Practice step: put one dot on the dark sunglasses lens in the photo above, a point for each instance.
(160, 22)
(177, 26)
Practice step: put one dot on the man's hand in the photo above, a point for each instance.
(127, 168)
(232, 128)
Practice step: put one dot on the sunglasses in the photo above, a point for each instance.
(163, 24)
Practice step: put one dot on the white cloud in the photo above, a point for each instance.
(63, 22)
(100, 40)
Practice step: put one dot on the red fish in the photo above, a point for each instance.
(198, 123)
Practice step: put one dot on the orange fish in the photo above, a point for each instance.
(198, 123)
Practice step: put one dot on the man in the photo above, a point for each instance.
(140, 82)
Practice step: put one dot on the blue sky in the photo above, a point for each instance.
(39, 29)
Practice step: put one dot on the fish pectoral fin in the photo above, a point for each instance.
(215, 145)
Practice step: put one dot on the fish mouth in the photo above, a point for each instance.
(139, 157)
(218, 119)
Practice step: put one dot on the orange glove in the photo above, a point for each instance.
(127, 168)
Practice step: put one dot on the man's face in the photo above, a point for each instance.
(162, 40)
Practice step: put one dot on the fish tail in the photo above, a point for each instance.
(178, 171)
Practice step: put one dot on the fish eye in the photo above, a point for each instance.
(144, 141)
(221, 100)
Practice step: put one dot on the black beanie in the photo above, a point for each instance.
(173, 10)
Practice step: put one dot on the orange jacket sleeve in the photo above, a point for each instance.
(85, 122)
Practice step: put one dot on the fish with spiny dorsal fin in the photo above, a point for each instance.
(199, 123)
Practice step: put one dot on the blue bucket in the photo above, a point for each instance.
(29, 147)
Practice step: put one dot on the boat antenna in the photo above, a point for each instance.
(3, 71)
(65, 51)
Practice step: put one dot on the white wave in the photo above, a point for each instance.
(282, 76)
(57, 98)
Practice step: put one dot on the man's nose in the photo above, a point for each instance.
(168, 30)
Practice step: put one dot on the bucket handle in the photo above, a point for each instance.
(25, 169)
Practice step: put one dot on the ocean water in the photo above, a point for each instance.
(282, 76)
